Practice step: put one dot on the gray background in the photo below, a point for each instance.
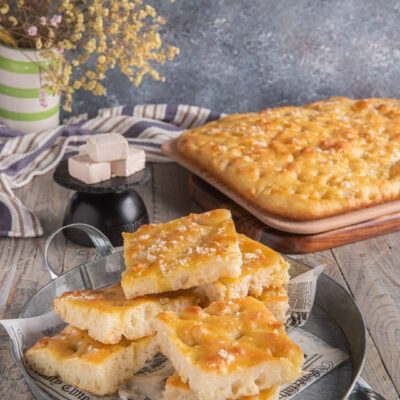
(242, 55)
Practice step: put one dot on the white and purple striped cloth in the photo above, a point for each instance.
(23, 156)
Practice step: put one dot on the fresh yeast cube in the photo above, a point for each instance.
(82, 150)
(135, 162)
(107, 147)
(81, 167)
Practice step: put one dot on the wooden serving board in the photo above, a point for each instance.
(320, 225)
(289, 243)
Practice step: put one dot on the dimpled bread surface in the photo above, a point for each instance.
(107, 315)
(231, 349)
(88, 364)
(176, 389)
(262, 267)
(309, 162)
(181, 254)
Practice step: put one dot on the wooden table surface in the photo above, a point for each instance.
(369, 270)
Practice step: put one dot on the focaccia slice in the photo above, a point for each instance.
(107, 315)
(230, 349)
(176, 389)
(262, 267)
(88, 364)
(181, 254)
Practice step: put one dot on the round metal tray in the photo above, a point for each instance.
(335, 317)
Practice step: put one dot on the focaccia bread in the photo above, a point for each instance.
(277, 301)
(231, 349)
(180, 254)
(262, 267)
(303, 163)
(176, 389)
(107, 315)
(88, 364)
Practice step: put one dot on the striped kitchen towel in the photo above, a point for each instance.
(23, 156)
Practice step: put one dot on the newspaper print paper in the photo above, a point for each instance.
(319, 359)
(301, 292)
(148, 383)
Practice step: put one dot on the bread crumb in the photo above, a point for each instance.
(151, 257)
(223, 353)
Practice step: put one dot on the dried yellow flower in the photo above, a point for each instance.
(119, 33)
(172, 51)
(13, 20)
(5, 9)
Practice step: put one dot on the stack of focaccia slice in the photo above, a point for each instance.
(198, 292)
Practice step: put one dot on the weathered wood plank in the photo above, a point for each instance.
(325, 258)
(29, 277)
(29, 273)
(369, 268)
(171, 198)
(27, 258)
(10, 256)
(12, 383)
(374, 370)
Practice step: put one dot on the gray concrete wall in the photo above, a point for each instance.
(240, 55)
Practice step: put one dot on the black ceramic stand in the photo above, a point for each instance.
(111, 206)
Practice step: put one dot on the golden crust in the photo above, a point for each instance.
(73, 342)
(259, 258)
(180, 254)
(108, 315)
(314, 161)
(112, 299)
(274, 294)
(177, 387)
(262, 268)
(230, 335)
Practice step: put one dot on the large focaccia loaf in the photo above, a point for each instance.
(308, 162)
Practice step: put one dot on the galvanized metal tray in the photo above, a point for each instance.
(335, 317)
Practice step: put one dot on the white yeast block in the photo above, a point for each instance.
(107, 147)
(82, 168)
(135, 162)
(82, 150)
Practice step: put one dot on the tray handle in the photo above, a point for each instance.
(99, 240)
(362, 393)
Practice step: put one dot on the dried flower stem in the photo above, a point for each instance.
(119, 33)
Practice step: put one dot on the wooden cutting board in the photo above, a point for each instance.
(289, 243)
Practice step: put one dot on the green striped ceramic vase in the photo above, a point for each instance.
(20, 108)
